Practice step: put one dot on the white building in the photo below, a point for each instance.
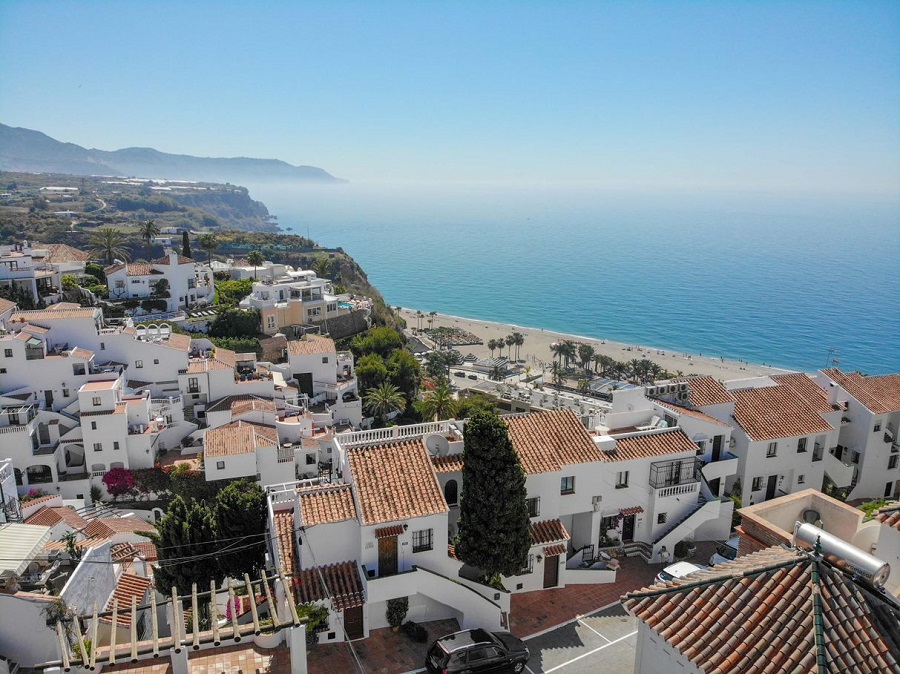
(869, 425)
(20, 268)
(188, 283)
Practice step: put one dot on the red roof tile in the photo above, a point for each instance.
(804, 386)
(705, 391)
(128, 587)
(310, 345)
(284, 537)
(879, 394)
(389, 532)
(648, 445)
(395, 482)
(49, 517)
(760, 613)
(338, 582)
(324, 505)
(889, 516)
(547, 441)
(696, 414)
(773, 412)
(105, 527)
(633, 510)
(238, 437)
(554, 550)
(548, 531)
(452, 463)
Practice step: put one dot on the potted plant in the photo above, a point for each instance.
(396, 612)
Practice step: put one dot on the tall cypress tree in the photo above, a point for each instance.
(493, 517)
(241, 518)
(186, 245)
(185, 546)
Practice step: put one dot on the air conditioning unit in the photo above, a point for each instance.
(683, 387)
(651, 390)
(682, 396)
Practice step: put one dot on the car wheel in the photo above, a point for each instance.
(518, 667)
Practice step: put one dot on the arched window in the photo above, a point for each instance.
(451, 492)
(39, 474)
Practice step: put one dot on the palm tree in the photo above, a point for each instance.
(255, 258)
(585, 354)
(419, 317)
(559, 375)
(510, 342)
(208, 243)
(597, 359)
(384, 399)
(519, 340)
(322, 267)
(635, 366)
(439, 403)
(431, 316)
(109, 243)
(492, 345)
(568, 351)
(148, 231)
(557, 349)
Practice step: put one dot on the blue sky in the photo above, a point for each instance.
(773, 96)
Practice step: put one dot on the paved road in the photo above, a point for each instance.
(603, 641)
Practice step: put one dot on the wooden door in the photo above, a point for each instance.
(551, 571)
(628, 528)
(770, 487)
(353, 622)
(387, 556)
(717, 448)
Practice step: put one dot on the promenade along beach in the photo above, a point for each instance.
(537, 354)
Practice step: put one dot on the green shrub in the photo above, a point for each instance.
(396, 611)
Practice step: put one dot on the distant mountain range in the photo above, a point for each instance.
(33, 151)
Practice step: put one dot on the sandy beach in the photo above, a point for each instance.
(536, 351)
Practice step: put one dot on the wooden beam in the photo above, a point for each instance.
(112, 633)
(253, 611)
(94, 647)
(63, 646)
(154, 622)
(276, 622)
(134, 634)
(235, 631)
(290, 597)
(195, 622)
(81, 645)
(214, 612)
(178, 619)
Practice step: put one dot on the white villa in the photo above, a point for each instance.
(189, 283)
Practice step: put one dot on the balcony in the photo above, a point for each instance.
(840, 473)
(725, 466)
(675, 473)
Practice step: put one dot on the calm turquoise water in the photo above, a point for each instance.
(759, 278)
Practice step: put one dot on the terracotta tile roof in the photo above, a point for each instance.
(239, 437)
(696, 414)
(128, 587)
(804, 386)
(323, 505)
(342, 585)
(395, 482)
(552, 550)
(705, 391)
(35, 329)
(648, 445)
(43, 315)
(239, 404)
(113, 268)
(121, 552)
(6, 305)
(60, 252)
(225, 356)
(64, 306)
(760, 612)
(773, 412)
(311, 344)
(78, 352)
(453, 463)
(165, 260)
(104, 527)
(141, 269)
(39, 499)
(49, 517)
(84, 543)
(889, 516)
(284, 538)
(548, 531)
(547, 441)
(633, 510)
(879, 394)
(389, 532)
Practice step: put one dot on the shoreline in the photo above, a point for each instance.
(537, 353)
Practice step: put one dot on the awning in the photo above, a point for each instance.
(551, 550)
(388, 532)
(634, 510)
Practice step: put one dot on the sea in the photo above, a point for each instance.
(800, 282)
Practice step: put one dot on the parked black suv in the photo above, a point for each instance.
(477, 651)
